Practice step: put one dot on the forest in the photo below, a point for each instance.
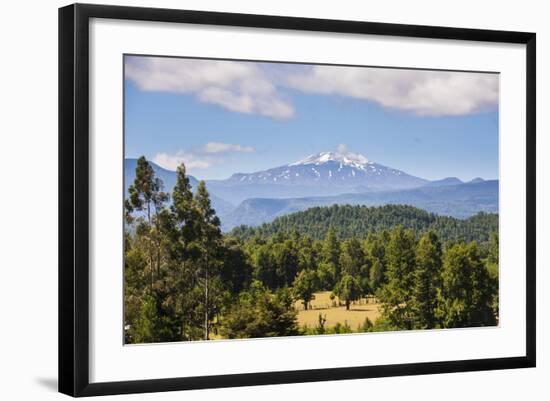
(185, 280)
(360, 221)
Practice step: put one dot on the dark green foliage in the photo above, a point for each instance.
(427, 281)
(264, 265)
(285, 257)
(260, 313)
(354, 262)
(492, 262)
(340, 328)
(305, 285)
(366, 327)
(178, 251)
(467, 288)
(375, 252)
(208, 242)
(329, 266)
(396, 294)
(320, 329)
(348, 289)
(145, 194)
(347, 221)
(326, 273)
(236, 270)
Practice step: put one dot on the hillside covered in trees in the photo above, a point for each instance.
(186, 281)
(360, 221)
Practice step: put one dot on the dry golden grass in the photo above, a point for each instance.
(322, 303)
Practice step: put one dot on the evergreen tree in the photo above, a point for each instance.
(396, 295)
(485, 290)
(466, 295)
(326, 274)
(143, 193)
(209, 237)
(145, 327)
(146, 196)
(427, 280)
(354, 262)
(348, 289)
(492, 262)
(304, 286)
(331, 253)
(264, 266)
(352, 258)
(183, 207)
(375, 254)
(285, 257)
(260, 313)
(184, 293)
(236, 270)
(135, 283)
(307, 254)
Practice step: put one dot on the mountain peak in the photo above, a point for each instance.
(346, 158)
(476, 180)
(445, 181)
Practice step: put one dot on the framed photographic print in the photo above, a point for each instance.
(250, 199)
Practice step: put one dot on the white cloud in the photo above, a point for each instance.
(421, 92)
(220, 147)
(201, 158)
(172, 161)
(342, 148)
(258, 88)
(235, 86)
(344, 151)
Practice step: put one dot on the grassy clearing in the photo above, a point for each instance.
(322, 303)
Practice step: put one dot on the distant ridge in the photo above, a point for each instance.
(459, 201)
(476, 180)
(445, 181)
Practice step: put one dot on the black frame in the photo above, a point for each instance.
(74, 192)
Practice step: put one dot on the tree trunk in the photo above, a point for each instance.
(150, 246)
(157, 242)
(206, 317)
(347, 304)
(151, 264)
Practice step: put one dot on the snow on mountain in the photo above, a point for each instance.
(332, 169)
(348, 159)
(322, 174)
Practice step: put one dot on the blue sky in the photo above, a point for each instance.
(222, 117)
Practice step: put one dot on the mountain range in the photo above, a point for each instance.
(460, 201)
(329, 178)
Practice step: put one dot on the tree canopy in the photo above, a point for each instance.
(185, 280)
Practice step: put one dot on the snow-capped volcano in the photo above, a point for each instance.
(347, 159)
(333, 169)
(325, 173)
